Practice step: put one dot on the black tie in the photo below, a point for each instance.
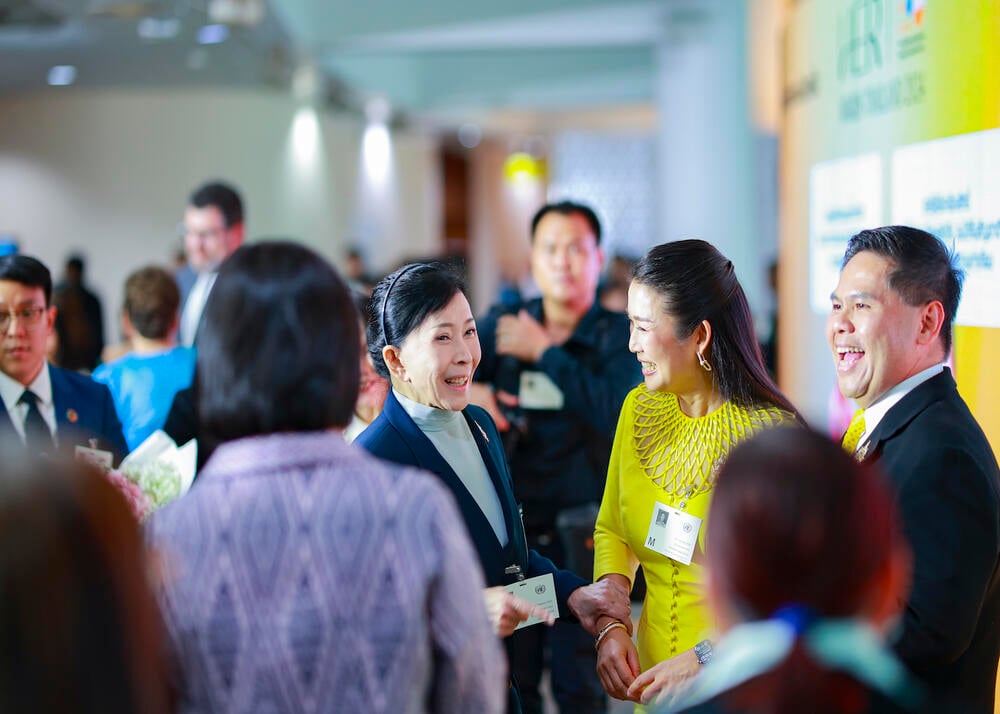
(37, 436)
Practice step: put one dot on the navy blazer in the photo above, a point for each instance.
(948, 488)
(84, 411)
(394, 436)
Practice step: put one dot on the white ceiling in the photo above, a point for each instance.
(443, 58)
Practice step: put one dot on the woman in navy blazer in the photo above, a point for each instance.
(422, 337)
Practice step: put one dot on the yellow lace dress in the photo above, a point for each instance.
(661, 454)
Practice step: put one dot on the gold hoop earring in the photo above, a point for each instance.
(704, 363)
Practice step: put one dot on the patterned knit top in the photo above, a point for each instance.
(662, 455)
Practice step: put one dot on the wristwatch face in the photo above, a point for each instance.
(703, 651)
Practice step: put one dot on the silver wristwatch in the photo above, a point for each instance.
(703, 651)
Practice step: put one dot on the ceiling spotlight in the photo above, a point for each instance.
(62, 75)
(212, 34)
(469, 135)
(154, 28)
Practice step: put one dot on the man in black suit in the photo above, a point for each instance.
(890, 330)
(45, 407)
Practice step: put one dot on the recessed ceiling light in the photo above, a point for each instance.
(212, 34)
(62, 75)
(154, 28)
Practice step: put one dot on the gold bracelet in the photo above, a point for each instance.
(607, 628)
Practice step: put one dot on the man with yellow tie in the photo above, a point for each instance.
(890, 331)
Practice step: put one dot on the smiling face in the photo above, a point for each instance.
(22, 344)
(669, 364)
(872, 333)
(435, 363)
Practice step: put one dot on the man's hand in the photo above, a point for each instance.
(482, 396)
(618, 664)
(522, 336)
(664, 679)
(507, 611)
(605, 598)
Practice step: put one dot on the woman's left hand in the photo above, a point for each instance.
(667, 677)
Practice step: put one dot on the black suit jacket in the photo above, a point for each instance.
(394, 436)
(948, 487)
(84, 409)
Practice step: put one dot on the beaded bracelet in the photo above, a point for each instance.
(607, 628)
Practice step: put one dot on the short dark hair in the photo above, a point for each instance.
(151, 301)
(401, 301)
(27, 271)
(924, 269)
(696, 282)
(221, 195)
(76, 262)
(790, 500)
(278, 349)
(568, 208)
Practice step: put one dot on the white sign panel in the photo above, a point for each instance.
(951, 187)
(845, 196)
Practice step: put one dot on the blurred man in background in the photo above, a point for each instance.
(213, 229)
(80, 320)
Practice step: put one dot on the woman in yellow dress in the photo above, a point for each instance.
(705, 389)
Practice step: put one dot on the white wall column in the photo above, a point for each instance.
(708, 163)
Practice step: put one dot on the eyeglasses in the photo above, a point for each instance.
(30, 317)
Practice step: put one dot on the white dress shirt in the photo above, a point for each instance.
(194, 306)
(11, 391)
(450, 434)
(875, 413)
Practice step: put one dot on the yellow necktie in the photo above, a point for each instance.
(854, 432)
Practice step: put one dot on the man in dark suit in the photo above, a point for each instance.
(45, 407)
(890, 330)
(213, 230)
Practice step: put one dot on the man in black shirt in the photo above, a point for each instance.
(554, 373)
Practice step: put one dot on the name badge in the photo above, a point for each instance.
(538, 391)
(95, 457)
(673, 533)
(539, 590)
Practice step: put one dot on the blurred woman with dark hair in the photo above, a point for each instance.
(302, 574)
(705, 389)
(81, 632)
(807, 570)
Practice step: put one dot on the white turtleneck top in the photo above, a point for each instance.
(449, 432)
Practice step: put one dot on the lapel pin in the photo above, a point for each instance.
(482, 431)
(71, 416)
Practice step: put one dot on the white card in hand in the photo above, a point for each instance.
(539, 590)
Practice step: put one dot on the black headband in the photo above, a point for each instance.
(385, 298)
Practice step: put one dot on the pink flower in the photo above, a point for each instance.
(138, 501)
